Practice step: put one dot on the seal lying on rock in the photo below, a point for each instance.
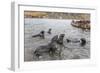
(49, 48)
(60, 39)
(54, 48)
(41, 34)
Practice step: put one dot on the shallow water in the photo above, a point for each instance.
(74, 50)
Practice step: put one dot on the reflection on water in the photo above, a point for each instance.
(34, 26)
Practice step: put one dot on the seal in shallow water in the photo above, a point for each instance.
(41, 34)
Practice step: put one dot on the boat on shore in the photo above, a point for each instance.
(83, 24)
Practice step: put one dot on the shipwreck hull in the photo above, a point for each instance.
(81, 25)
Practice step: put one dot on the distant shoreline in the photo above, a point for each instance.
(56, 15)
